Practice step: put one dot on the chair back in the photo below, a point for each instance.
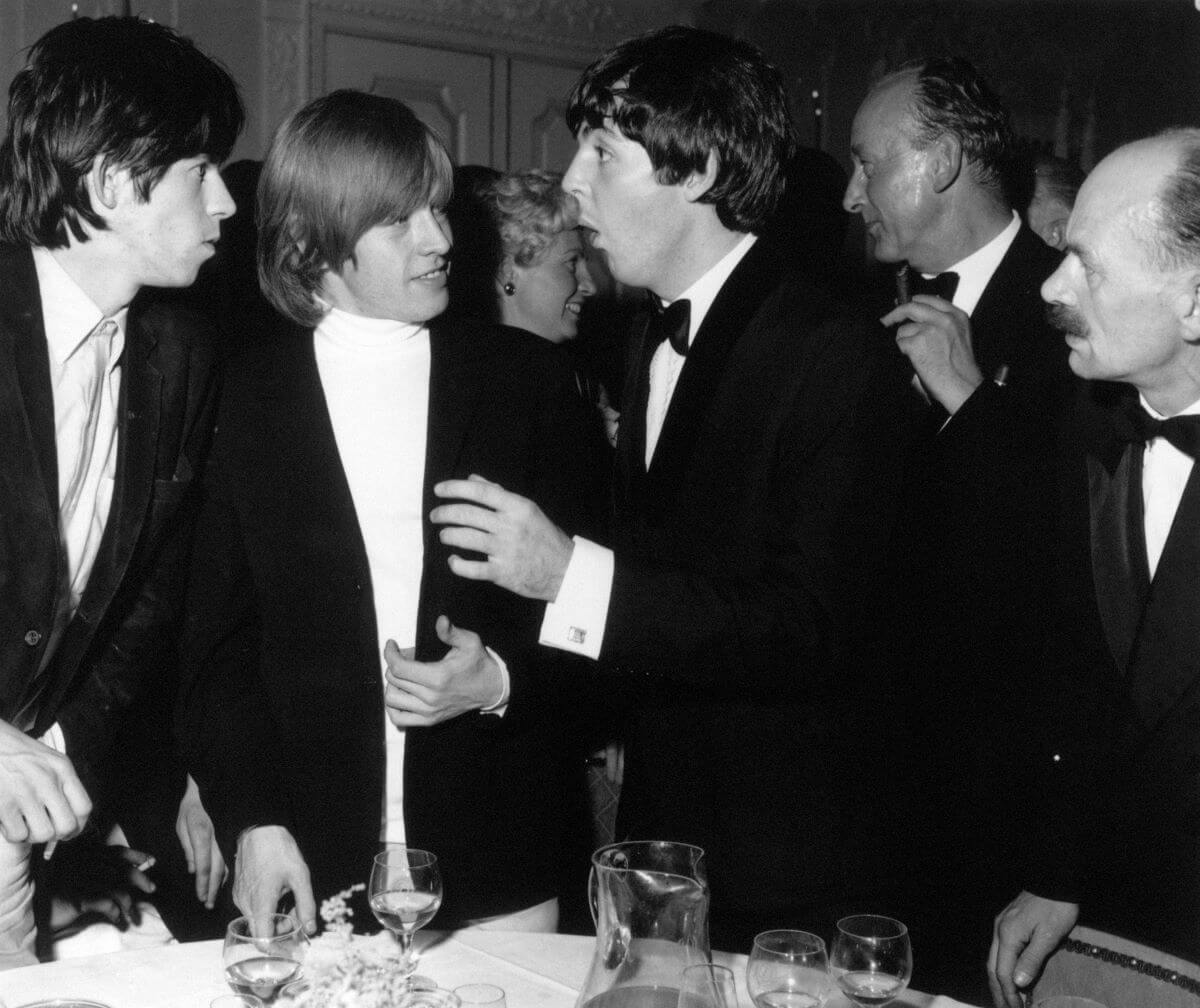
(1118, 973)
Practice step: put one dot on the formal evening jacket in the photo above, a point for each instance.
(971, 567)
(743, 556)
(1119, 717)
(282, 705)
(165, 415)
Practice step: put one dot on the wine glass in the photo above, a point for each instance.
(405, 892)
(259, 965)
(706, 985)
(788, 969)
(871, 959)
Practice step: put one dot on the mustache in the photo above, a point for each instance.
(1067, 320)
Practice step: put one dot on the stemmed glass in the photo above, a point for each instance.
(871, 959)
(706, 985)
(260, 965)
(405, 892)
(788, 969)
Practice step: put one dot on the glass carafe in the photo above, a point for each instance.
(650, 906)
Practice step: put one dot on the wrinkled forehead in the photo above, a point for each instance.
(884, 116)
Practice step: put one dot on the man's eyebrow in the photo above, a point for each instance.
(1080, 253)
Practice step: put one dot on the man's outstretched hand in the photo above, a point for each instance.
(526, 552)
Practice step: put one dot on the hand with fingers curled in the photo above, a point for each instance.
(525, 551)
(466, 678)
(1026, 932)
(199, 841)
(936, 338)
(268, 866)
(41, 796)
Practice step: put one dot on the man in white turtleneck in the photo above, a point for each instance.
(317, 575)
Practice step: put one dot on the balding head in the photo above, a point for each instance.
(1128, 292)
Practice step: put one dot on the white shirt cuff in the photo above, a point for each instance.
(575, 620)
(501, 705)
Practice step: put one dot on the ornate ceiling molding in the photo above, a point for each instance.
(575, 27)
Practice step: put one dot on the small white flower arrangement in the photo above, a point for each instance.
(344, 970)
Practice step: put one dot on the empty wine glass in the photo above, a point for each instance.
(871, 959)
(706, 985)
(788, 969)
(405, 892)
(261, 965)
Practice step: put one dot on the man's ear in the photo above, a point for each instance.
(945, 161)
(698, 183)
(1188, 307)
(104, 184)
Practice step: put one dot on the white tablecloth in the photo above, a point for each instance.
(536, 971)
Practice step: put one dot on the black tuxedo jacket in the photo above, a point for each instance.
(970, 568)
(164, 426)
(742, 559)
(1119, 738)
(282, 705)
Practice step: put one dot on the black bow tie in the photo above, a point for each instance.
(1136, 425)
(671, 323)
(943, 285)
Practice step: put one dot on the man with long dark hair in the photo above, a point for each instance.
(108, 183)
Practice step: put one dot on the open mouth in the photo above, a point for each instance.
(437, 273)
(574, 307)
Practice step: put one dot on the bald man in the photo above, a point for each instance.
(1121, 842)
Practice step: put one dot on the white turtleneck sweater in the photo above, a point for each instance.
(375, 374)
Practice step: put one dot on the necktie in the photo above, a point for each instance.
(671, 324)
(1136, 425)
(943, 285)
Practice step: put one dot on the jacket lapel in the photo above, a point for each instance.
(1013, 286)
(138, 421)
(30, 547)
(631, 432)
(26, 395)
(736, 303)
(1166, 661)
(455, 381)
(1118, 549)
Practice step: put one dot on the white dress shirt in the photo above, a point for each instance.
(85, 375)
(575, 621)
(975, 271)
(375, 374)
(1165, 472)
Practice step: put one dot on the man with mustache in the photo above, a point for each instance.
(1119, 841)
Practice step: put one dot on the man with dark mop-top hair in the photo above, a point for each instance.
(108, 183)
(757, 465)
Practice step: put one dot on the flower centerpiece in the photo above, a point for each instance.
(344, 970)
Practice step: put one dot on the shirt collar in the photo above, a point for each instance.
(976, 270)
(341, 328)
(68, 314)
(705, 290)
(1191, 410)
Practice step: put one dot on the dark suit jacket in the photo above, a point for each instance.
(165, 421)
(970, 567)
(742, 557)
(1119, 722)
(282, 705)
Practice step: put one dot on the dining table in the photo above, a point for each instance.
(535, 971)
